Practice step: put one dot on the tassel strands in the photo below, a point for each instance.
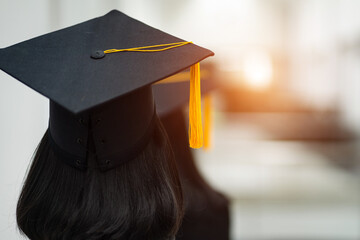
(195, 121)
(207, 121)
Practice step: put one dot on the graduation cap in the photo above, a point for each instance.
(173, 93)
(98, 76)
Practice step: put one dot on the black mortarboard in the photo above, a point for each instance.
(109, 93)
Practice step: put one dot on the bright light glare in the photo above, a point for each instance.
(258, 69)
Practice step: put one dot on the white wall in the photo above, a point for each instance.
(324, 53)
(23, 113)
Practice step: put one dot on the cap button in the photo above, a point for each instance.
(98, 54)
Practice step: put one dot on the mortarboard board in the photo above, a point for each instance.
(90, 88)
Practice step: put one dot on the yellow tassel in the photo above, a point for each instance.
(195, 121)
(207, 121)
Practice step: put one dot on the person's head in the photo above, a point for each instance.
(104, 169)
(105, 173)
(139, 199)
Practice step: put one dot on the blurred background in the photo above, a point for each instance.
(286, 128)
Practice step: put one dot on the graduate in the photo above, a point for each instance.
(104, 168)
(206, 210)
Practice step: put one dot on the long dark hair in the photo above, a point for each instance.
(140, 199)
(206, 210)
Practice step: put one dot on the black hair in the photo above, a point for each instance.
(141, 199)
(206, 210)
